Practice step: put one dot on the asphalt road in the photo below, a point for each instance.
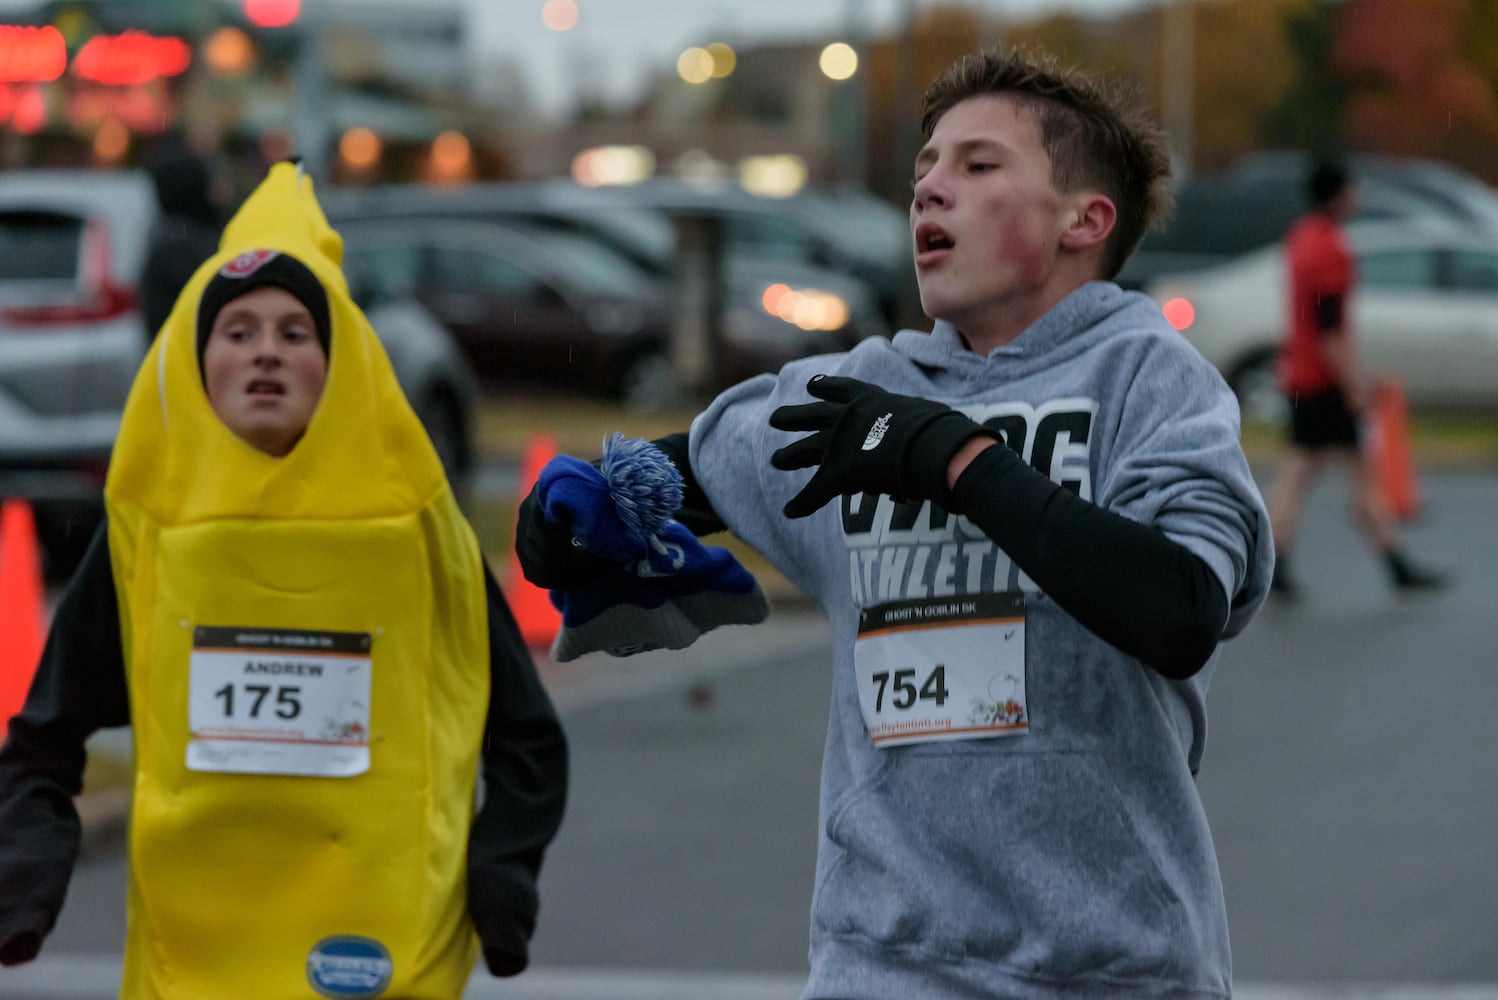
(1350, 779)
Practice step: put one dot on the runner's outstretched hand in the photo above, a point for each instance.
(868, 440)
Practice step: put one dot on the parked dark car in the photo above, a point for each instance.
(553, 310)
(824, 239)
(72, 245)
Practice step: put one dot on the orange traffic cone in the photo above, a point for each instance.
(1393, 463)
(539, 621)
(21, 607)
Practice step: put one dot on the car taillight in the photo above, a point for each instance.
(1179, 313)
(105, 300)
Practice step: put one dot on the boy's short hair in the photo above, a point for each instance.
(1096, 132)
(1328, 178)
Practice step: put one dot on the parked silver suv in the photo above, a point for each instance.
(72, 245)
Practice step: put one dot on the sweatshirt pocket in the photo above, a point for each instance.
(1026, 859)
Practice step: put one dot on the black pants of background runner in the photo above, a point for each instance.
(1322, 419)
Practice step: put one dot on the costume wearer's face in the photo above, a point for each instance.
(986, 217)
(264, 369)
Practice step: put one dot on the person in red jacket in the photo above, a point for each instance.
(1320, 377)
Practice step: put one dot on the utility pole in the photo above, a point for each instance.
(855, 26)
(907, 90)
(310, 118)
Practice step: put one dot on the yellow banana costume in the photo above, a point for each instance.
(305, 645)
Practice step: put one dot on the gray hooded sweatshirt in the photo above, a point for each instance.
(1073, 860)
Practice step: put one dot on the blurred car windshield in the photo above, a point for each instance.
(649, 235)
(39, 246)
(594, 268)
(859, 226)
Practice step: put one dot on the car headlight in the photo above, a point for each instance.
(808, 308)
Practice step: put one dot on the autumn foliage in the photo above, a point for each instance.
(1410, 77)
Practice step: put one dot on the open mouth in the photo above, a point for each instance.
(265, 387)
(932, 241)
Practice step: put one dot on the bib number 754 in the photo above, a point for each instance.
(903, 694)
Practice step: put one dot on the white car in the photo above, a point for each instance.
(1424, 312)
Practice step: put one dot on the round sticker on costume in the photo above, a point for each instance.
(349, 966)
(247, 263)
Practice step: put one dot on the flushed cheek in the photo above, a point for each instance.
(1019, 246)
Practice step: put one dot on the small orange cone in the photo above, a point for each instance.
(539, 621)
(21, 606)
(1393, 462)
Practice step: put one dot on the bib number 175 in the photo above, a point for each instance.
(901, 688)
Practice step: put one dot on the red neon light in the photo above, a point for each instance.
(31, 112)
(272, 13)
(132, 57)
(31, 55)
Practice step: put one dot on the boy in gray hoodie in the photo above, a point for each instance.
(1029, 528)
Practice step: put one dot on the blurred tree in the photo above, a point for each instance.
(1241, 63)
(941, 36)
(1308, 114)
(1244, 62)
(1416, 87)
(1480, 40)
(1103, 46)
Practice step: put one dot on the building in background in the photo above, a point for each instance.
(100, 83)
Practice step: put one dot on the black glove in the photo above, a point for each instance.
(868, 440)
(504, 938)
(549, 557)
(504, 962)
(22, 946)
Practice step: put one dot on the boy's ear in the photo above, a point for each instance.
(1090, 221)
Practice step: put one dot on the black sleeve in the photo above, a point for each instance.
(79, 687)
(1126, 582)
(545, 550)
(1329, 313)
(524, 767)
(696, 513)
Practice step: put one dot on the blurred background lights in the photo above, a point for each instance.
(839, 61)
(30, 112)
(360, 148)
(111, 141)
(695, 65)
(700, 169)
(773, 176)
(272, 13)
(1179, 313)
(724, 59)
(606, 165)
(31, 55)
(559, 15)
(452, 156)
(131, 57)
(808, 308)
(229, 52)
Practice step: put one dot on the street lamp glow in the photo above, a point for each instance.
(613, 165)
(112, 141)
(360, 148)
(695, 65)
(772, 176)
(229, 52)
(559, 15)
(839, 61)
(452, 156)
(724, 58)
